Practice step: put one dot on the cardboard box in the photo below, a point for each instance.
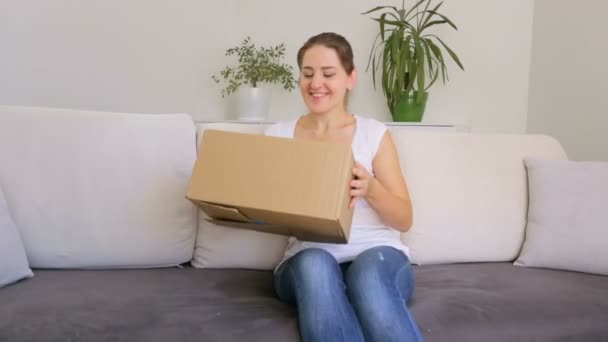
(275, 185)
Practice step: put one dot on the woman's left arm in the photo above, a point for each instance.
(387, 192)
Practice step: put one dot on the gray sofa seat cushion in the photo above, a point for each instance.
(501, 302)
(155, 305)
(462, 302)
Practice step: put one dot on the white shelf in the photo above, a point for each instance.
(256, 125)
(205, 122)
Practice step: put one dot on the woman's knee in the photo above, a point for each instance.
(314, 267)
(313, 260)
(378, 267)
(309, 272)
(380, 258)
(382, 253)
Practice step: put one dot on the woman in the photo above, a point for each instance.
(357, 291)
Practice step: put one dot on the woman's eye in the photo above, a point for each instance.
(329, 75)
(307, 75)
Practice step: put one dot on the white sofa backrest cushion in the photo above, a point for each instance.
(13, 261)
(469, 193)
(223, 247)
(95, 189)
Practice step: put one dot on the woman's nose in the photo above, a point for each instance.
(316, 81)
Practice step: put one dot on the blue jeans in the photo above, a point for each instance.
(363, 300)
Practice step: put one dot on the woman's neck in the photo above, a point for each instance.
(328, 120)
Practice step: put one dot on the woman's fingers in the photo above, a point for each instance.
(353, 201)
(358, 186)
(360, 172)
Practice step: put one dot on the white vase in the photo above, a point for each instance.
(253, 103)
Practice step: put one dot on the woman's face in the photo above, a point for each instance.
(323, 80)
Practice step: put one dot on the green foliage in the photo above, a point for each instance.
(410, 59)
(256, 66)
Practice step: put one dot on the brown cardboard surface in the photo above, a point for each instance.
(278, 185)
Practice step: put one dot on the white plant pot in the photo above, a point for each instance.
(253, 103)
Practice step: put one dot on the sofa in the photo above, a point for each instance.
(119, 254)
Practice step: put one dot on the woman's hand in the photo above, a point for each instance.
(360, 185)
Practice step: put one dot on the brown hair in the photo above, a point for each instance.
(332, 41)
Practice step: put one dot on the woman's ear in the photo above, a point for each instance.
(351, 80)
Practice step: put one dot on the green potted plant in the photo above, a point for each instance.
(256, 66)
(410, 58)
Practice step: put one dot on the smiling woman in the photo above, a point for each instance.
(331, 62)
(356, 291)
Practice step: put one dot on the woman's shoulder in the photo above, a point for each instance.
(369, 134)
(282, 129)
(371, 126)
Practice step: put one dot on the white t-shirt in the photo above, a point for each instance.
(367, 229)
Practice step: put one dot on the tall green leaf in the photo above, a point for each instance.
(423, 18)
(439, 55)
(434, 77)
(420, 72)
(446, 19)
(401, 65)
(429, 58)
(430, 16)
(434, 22)
(379, 8)
(452, 54)
(382, 23)
(411, 10)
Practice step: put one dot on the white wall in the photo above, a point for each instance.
(569, 76)
(158, 56)
(114, 55)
